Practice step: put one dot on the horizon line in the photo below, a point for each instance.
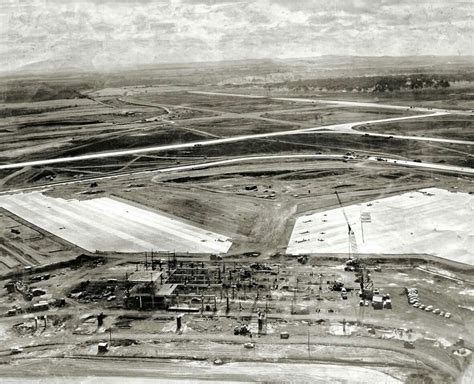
(132, 67)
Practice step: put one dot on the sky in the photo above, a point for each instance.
(105, 34)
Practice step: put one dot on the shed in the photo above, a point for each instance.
(377, 302)
(284, 335)
(41, 306)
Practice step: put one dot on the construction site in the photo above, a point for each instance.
(229, 233)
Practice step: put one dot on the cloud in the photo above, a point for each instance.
(116, 33)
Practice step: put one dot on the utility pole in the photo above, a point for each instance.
(152, 290)
(320, 285)
(293, 302)
(309, 347)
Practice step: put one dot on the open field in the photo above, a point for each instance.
(453, 127)
(335, 143)
(327, 114)
(429, 221)
(227, 104)
(62, 124)
(110, 225)
(237, 126)
(108, 123)
(227, 173)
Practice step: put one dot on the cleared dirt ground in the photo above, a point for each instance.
(23, 244)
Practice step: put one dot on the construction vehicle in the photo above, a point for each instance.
(303, 259)
(337, 286)
(242, 330)
(344, 294)
(355, 263)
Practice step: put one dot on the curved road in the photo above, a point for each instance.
(334, 128)
(414, 164)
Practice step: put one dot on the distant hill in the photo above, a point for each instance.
(326, 72)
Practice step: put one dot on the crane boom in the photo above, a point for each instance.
(343, 212)
(353, 251)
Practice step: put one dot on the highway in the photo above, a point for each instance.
(334, 128)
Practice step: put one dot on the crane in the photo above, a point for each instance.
(353, 251)
(354, 262)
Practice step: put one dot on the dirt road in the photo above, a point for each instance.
(413, 164)
(143, 372)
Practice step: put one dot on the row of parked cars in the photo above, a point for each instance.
(413, 300)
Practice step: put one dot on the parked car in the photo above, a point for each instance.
(16, 350)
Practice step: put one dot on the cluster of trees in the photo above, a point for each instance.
(395, 83)
(368, 83)
(17, 92)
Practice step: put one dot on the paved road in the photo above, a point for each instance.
(335, 128)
